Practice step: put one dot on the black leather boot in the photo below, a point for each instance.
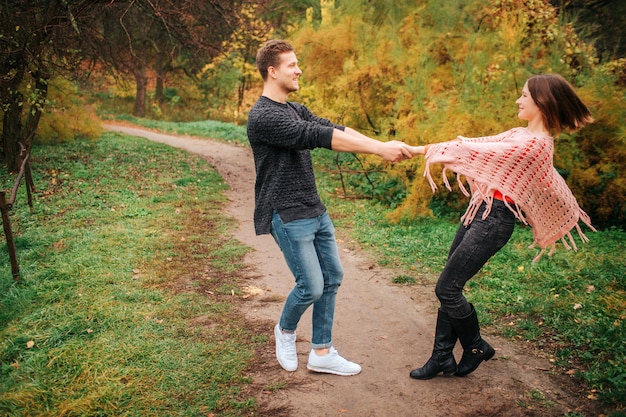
(475, 349)
(442, 359)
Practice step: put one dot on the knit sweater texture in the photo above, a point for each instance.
(281, 136)
(519, 164)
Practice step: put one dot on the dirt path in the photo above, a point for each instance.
(388, 329)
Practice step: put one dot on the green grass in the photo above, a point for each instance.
(111, 316)
(213, 129)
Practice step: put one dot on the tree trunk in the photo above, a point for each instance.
(34, 115)
(160, 78)
(141, 80)
(241, 91)
(12, 130)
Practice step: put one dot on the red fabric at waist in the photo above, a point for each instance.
(498, 195)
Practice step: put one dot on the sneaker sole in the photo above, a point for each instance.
(331, 371)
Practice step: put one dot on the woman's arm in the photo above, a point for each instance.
(418, 150)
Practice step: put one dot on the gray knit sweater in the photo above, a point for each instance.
(281, 137)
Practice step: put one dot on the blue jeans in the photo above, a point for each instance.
(310, 249)
(470, 250)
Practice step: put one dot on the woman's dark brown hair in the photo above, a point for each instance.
(558, 102)
(269, 55)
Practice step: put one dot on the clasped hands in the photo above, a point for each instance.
(396, 151)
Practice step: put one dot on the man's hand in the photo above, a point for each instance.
(352, 141)
(395, 151)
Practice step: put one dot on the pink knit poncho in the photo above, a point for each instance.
(519, 165)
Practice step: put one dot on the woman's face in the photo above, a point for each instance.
(527, 109)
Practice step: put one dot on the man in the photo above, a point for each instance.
(288, 206)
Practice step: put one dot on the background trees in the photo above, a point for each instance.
(420, 71)
(599, 22)
(44, 39)
(432, 71)
(162, 37)
(38, 40)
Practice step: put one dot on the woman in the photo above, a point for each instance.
(511, 175)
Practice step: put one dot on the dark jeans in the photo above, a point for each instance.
(471, 249)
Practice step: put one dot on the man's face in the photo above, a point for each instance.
(287, 72)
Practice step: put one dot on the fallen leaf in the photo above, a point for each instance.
(250, 291)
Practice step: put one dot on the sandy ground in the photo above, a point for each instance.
(386, 328)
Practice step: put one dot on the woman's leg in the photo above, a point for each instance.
(471, 249)
(442, 358)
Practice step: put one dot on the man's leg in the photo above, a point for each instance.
(324, 357)
(332, 271)
(295, 240)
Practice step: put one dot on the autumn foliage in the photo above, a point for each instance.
(429, 72)
(418, 71)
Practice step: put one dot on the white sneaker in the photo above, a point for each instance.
(332, 363)
(286, 349)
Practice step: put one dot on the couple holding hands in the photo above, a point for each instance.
(510, 175)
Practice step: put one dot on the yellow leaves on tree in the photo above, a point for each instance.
(441, 70)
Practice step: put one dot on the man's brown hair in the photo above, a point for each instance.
(269, 55)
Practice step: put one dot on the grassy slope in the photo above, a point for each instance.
(116, 263)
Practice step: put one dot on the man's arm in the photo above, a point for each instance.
(352, 141)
